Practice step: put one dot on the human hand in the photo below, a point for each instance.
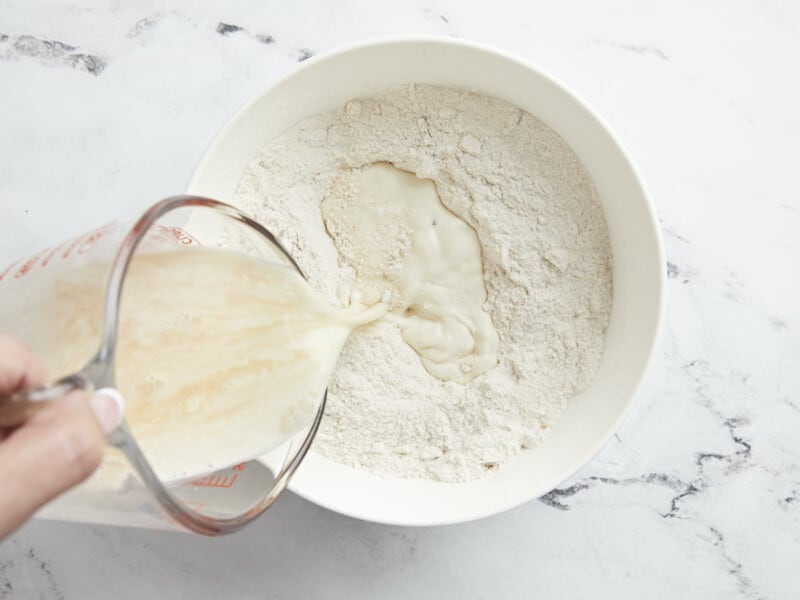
(55, 449)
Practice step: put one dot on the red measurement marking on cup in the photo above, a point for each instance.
(90, 239)
(219, 481)
(27, 266)
(71, 247)
(51, 254)
(79, 245)
(216, 481)
(8, 269)
(160, 234)
(183, 237)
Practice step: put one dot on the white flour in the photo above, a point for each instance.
(546, 263)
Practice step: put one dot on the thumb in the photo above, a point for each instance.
(57, 448)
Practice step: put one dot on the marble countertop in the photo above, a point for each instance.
(106, 107)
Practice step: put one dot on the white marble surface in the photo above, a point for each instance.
(698, 495)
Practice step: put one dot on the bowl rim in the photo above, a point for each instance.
(443, 41)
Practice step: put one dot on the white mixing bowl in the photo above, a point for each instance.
(327, 82)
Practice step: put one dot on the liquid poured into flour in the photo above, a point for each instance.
(545, 258)
(220, 357)
(421, 260)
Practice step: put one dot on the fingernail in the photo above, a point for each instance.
(109, 407)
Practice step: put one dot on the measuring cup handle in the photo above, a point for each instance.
(17, 408)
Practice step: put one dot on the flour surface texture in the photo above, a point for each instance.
(546, 264)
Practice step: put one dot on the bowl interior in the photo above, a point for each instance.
(326, 83)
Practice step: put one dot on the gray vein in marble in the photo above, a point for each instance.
(699, 372)
(733, 287)
(34, 568)
(744, 114)
(554, 498)
(229, 28)
(778, 324)
(304, 54)
(792, 500)
(789, 402)
(264, 38)
(6, 587)
(672, 233)
(439, 21)
(143, 25)
(50, 52)
(733, 566)
(717, 540)
(673, 272)
(734, 462)
(642, 50)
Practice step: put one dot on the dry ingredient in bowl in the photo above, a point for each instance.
(546, 268)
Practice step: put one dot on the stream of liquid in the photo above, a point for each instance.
(220, 357)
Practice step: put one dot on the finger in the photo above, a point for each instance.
(57, 448)
(19, 368)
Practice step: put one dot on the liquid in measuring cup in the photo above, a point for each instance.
(220, 356)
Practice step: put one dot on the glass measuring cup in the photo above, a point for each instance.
(218, 224)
